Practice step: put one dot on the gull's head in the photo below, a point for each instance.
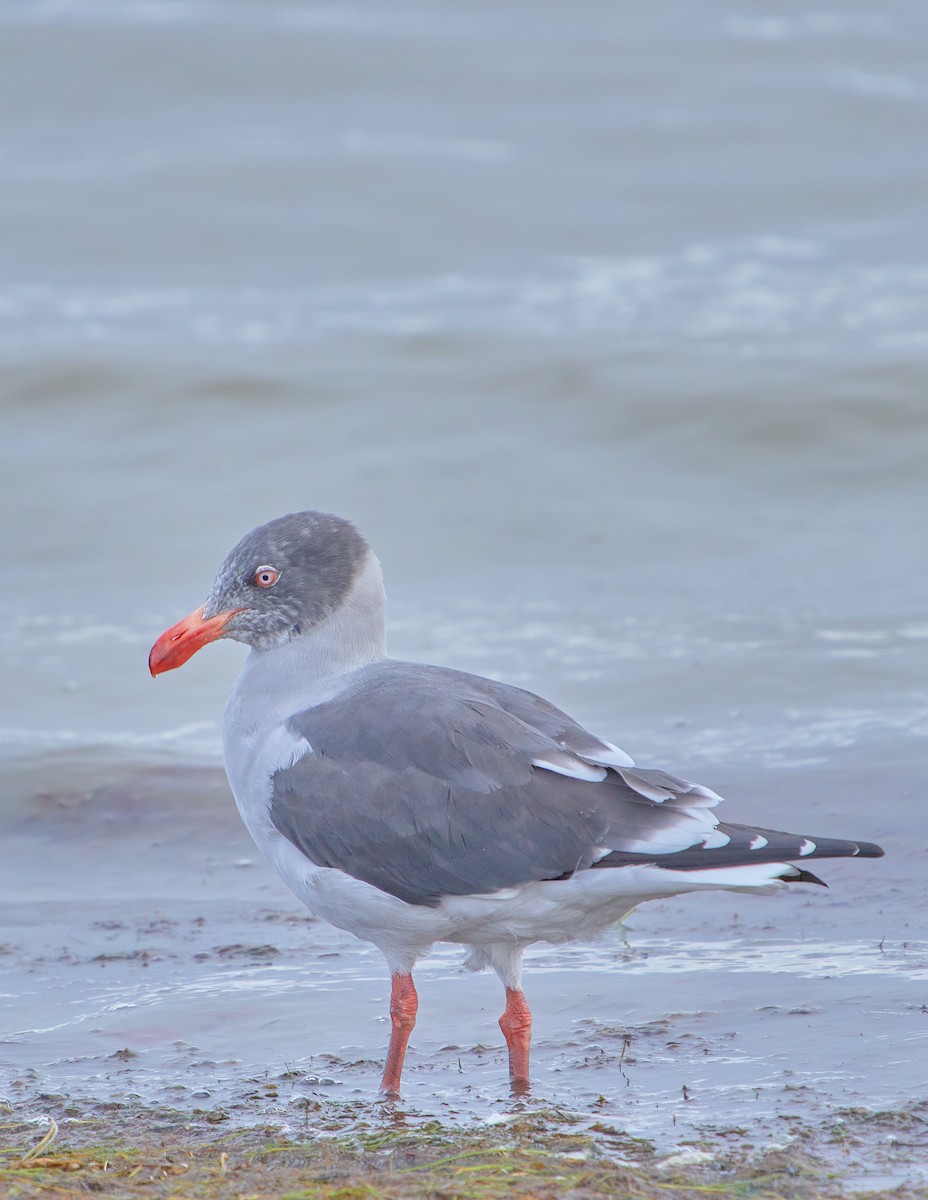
(280, 581)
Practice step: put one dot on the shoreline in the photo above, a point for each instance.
(369, 1148)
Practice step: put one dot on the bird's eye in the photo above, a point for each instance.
(266, 576)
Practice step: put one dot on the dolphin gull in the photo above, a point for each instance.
(414, 804)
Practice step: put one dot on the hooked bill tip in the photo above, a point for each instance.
(179, 643)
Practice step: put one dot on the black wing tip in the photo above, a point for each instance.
(863, 850)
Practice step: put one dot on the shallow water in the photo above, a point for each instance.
(612, 337)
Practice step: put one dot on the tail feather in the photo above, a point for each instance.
(800, 875)
(747, 845)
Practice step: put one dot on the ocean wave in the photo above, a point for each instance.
(798, 293)
(286, 15)
(194, 737)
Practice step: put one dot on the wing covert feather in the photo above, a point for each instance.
(421, 782)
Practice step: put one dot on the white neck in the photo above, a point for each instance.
(353, 636)
(305, 671)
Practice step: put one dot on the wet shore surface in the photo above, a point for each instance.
(186, 987)
(344, 1151)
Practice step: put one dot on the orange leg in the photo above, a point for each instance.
(404, 1004)
(516, 1024)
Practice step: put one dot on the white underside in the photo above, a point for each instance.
(497, 926)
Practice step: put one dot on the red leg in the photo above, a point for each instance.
(404, 1003)
(516, 1024)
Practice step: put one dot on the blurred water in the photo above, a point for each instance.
(609, 327)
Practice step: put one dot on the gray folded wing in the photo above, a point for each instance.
(426, 783)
